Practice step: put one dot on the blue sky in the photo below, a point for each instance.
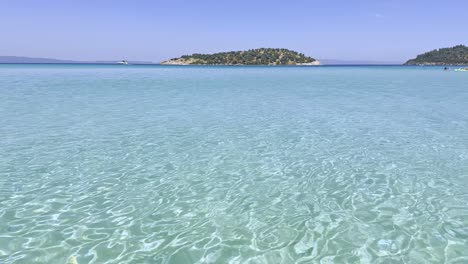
(391, 30)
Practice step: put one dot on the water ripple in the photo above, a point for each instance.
(233, 165)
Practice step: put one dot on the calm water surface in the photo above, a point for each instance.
(153, 164)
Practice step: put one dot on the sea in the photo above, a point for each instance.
(240, 164)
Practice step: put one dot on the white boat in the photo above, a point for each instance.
(123, 62)
(462, 69)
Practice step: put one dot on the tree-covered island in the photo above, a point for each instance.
(457, 55)
(263, 56)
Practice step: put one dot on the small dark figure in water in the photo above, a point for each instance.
(446, 68)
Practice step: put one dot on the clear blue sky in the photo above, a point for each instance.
(390, 30)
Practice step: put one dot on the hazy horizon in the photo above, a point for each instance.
(26, 59)
(156, 31)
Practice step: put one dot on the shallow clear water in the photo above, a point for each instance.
(153, 164)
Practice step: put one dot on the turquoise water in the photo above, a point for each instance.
(154, 164)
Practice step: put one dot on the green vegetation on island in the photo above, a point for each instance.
(457, 55)
(263, 56)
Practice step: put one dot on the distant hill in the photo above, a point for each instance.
(457, 55)
(263, 56)
(15, 59)
(356, 62)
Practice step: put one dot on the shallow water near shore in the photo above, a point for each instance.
(168, 164)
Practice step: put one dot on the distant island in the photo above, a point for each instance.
(263, 56)
(28, 60)
(457, 55)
